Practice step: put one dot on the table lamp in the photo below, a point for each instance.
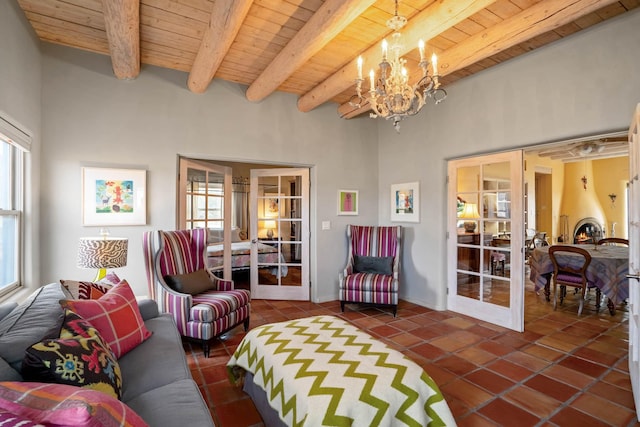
(470, 212)
(270, 225)
(102, 253)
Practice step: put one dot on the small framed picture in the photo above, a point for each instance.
(405, 202)
(114, 196)
(347, 202)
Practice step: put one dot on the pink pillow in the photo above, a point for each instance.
(116, 316)
(13, 420)
(65, 405)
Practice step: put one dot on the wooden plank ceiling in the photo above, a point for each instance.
(306, 47)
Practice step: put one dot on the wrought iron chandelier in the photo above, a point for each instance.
(391, 96)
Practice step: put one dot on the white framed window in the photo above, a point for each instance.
(15, 144)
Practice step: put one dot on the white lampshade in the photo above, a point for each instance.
(470, 211)
(270, 224)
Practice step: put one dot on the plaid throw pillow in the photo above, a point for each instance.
(116, 316)
(65, 405)
(77, 357)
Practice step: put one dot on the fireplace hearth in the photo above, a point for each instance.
(586, 231)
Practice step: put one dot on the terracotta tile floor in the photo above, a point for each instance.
(564, 370)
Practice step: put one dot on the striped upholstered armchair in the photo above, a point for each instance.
(373, 267)
(202, 305)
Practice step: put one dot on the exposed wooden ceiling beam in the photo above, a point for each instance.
(534, 21)
(227, 17)
(329, 20)
(122, 22)
(427, 24)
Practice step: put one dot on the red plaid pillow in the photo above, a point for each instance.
(116, 316)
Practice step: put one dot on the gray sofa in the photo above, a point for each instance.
(156, 380)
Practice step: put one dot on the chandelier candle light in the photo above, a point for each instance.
(391, 96)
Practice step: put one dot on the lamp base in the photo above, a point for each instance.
(469, 226)
(102, 272)
(269, 234)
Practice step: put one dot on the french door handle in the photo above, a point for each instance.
(633, 276)
(254, 241)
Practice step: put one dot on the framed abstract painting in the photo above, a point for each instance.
(114, 196)
(347, 202)
(405, 202)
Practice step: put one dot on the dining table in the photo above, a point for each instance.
(607, 271)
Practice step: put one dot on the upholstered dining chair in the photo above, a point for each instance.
(202, 305)
(570, 271)
(373, 266)
(499, 258)
(613, 241)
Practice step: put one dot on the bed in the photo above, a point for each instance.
(322, 370)
(241, 256)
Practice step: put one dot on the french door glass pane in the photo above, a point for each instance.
(205, 199)
(484, 230)
(279, 227)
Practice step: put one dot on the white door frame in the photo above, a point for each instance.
(511, 317)
(634, 257)
(207, 168)
(277, 291)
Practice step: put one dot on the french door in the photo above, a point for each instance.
(634, 257)
(204, 195)
(485, 238)
(279, 233)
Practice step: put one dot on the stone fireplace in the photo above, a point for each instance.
(587, 230)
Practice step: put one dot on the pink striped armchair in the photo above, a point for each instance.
(373, 267)
(202, 316)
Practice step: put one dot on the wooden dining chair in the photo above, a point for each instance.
(613, 241)
(569, 271)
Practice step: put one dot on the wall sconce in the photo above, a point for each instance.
(613, 200)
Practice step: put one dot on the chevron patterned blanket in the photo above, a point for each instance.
(323, 371)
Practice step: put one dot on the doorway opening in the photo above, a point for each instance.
(253, 224)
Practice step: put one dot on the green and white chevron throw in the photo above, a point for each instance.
(323, 371)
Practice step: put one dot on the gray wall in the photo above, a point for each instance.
(93, 119)
(584, 84)
(20, 98)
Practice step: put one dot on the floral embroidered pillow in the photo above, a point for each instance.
(78, 356)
